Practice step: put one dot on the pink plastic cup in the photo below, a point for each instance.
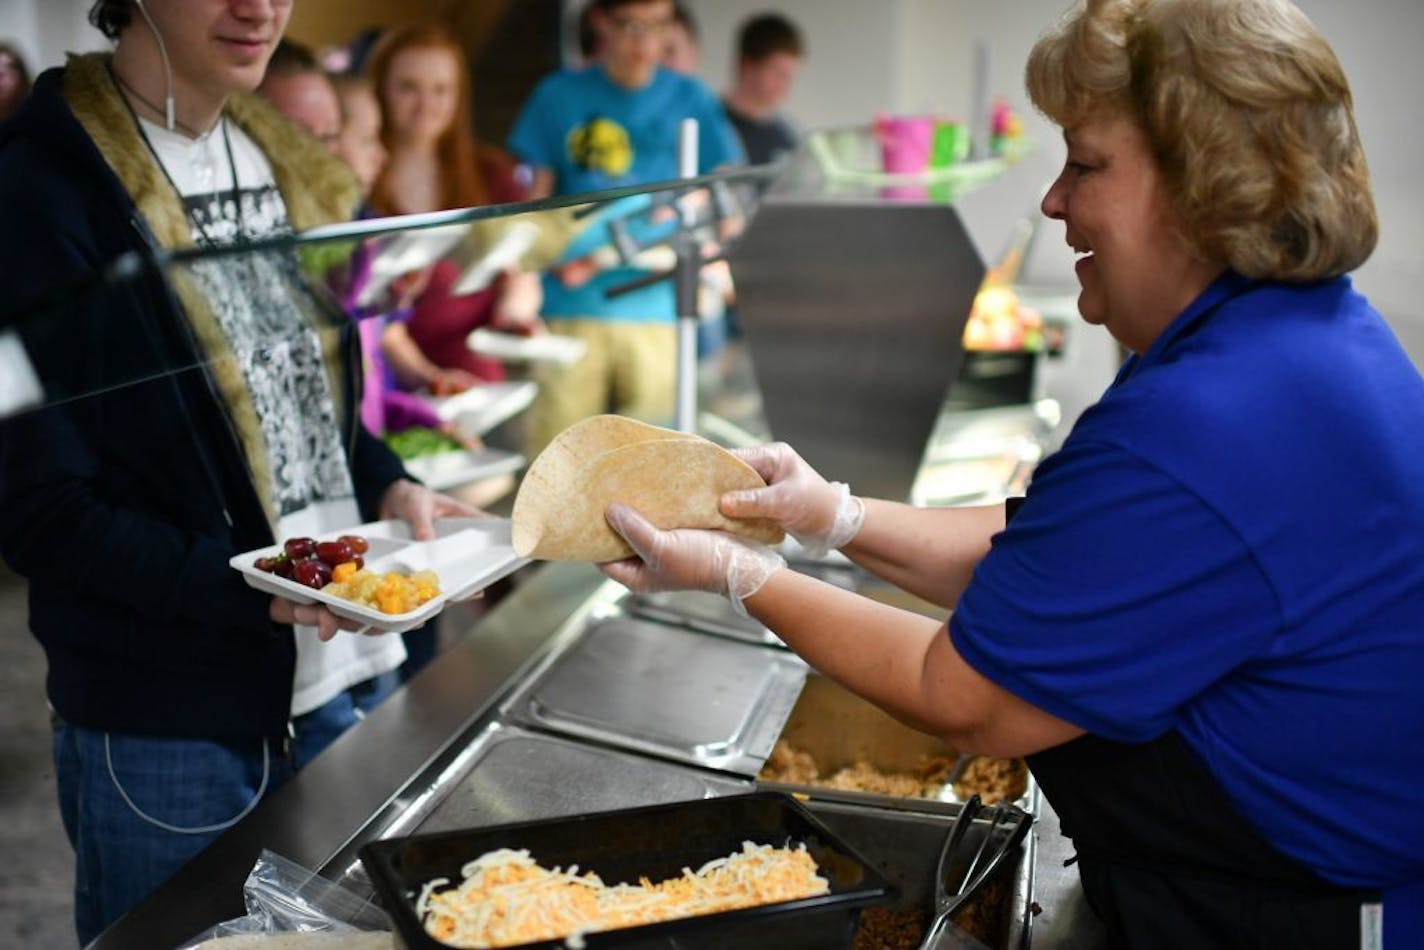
(904, 142)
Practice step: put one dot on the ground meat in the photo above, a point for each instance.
(883, 929)
(984, 917)
(993, 780)
(791, 765)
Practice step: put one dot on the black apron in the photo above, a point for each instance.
(1166, 861)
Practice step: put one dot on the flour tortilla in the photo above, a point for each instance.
(672, 478)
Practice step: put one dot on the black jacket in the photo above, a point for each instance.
(122, 500)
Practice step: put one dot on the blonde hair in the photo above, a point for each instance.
(1248, 114)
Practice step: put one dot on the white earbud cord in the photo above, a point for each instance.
(168, 115)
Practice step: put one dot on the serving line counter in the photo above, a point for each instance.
(503, 727)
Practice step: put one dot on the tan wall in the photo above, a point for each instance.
(318, 23)
(328, 22)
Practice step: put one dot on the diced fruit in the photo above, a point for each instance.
(390, 593)
(342, 572)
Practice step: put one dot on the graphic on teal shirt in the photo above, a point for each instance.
(600, 145)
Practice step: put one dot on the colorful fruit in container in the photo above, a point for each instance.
(390, 593)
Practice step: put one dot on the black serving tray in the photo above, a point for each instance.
(655, 842)
(904, 845)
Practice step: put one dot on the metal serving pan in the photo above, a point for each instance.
(669, 691)
(903, 844)
(837, 728)
(699, 610)
(657, 842)
(511, 774)
(714, 613)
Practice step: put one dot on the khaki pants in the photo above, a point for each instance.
(629, 369)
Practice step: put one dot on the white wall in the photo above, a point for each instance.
(916, 56)
(1378, 44)
(45, 30)
(851, 72)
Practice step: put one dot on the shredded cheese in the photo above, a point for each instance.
(507, 899)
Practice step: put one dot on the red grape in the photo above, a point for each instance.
(269, 564)
(299, 548)
(312, 573)
(359, 545)
(334, 552)
(284, 567)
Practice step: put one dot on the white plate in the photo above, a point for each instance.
(480, 408)
(445, 470)
(467, 554)
(399, 254)
(540, 348)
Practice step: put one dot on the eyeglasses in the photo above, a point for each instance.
(637, 29)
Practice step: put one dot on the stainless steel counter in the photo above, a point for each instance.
(424, 761)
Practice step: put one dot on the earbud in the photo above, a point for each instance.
(169, 119)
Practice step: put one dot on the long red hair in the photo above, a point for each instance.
(462, 185)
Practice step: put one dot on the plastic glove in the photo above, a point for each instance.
(820, 515)
(688, 559)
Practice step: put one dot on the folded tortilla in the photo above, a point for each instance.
(671, 478)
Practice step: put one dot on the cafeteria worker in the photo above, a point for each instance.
(1204, 624)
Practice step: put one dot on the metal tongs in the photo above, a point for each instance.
(987, 857)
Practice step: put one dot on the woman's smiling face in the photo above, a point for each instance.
(1137, 272)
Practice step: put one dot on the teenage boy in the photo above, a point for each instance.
(612, 124)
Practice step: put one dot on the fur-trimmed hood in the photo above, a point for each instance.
(316, 187)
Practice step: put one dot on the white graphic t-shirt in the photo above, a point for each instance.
(259, 300)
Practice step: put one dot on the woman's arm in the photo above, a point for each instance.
(413, 369)
(899, 660)
(903, 663)
(930, 552)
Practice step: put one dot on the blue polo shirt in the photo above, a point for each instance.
(1231, 544)
(594, 134)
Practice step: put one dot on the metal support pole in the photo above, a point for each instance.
(685, 281)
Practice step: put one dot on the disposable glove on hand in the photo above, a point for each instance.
(688, 559)
(820, 515)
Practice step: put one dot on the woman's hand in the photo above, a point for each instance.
(451, 381)
(327, 623)
(820, 515)
(688, 559)
(577, 272)
(418, 506)
(517, 309)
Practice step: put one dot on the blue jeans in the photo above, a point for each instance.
(320, 728)
(137, 808)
